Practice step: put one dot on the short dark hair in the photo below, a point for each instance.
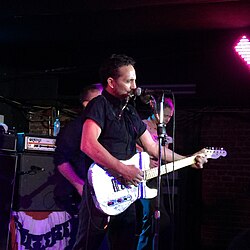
(110, 67)
(85, 92)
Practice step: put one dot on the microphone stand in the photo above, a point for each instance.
(161, 132)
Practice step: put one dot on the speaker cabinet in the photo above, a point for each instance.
(8, 165)
(37, 180)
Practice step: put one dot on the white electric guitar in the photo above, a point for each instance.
(112, 197)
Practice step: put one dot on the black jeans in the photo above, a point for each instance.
(94, 225)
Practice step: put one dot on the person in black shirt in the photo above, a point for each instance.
(68, 157)
(111, 127)
(69, 161)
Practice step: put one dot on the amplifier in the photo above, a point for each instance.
(35, 143)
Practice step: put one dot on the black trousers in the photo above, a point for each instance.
(95, 225)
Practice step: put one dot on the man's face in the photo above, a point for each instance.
(125, 83)
(167, 114)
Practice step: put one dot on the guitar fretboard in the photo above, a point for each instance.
(169, 167)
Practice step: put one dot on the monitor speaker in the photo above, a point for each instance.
(37, 180)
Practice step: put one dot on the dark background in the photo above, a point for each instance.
(62, 44)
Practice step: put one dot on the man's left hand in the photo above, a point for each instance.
(200, 159)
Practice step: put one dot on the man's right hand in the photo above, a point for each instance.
(132, 175)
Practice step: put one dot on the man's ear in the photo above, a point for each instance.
(110, 82)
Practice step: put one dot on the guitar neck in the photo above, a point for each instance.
(169, 167)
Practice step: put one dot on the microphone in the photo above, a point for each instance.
(144, 98)
(146, 95)
(139, 91)
(37, 168)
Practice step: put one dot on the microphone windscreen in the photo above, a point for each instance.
(138, 92)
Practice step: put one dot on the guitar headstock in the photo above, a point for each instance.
(215, 153)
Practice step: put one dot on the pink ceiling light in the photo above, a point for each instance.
(243, 49)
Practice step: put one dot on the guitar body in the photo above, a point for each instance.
(110, 195)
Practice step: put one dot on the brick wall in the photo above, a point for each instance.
(225, 182)
(214, 203)
(222, 206)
